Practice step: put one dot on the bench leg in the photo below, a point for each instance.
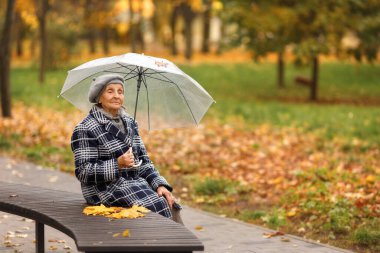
(40, 237)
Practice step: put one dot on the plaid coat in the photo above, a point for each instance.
(97, 143)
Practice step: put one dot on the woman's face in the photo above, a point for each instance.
(112, 97)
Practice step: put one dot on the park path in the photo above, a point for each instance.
(218, 234)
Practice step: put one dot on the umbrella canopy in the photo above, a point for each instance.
(156, 90)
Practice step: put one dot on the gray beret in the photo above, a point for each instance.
(99, 83)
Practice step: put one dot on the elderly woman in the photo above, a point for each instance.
(111, 161)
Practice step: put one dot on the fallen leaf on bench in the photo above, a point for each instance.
(116, 235)
(66, 247)
(126, 233)
(199, 228)
(13, 195)
(116, 212)
(272, 234)
(61, 241)
(53, 247)
(52, 240)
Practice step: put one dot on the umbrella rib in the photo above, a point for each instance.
(153, 73)
(126, 79)
(159, 79)
(127, 67)
(115, 72)
(147, 97)
(183, 96)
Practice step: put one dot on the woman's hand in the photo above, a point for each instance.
(162, 191)
(126, 160)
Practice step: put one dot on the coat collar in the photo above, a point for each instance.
(111, 128)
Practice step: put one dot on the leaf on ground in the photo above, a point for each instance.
(284, 239)
(116, 235)
(292, 213)
(273, 234)
(199, 228)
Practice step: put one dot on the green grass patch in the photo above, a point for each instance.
(368, 236)
(211, 186)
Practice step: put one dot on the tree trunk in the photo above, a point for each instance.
(219, 49)
(281, 70)
(173, 22)
(32, 48)
(43, 8)
(19, 35)
(106, 41)
(5, 61)
(90, 32)
(314, 83)
(206, 28)
(189, 16)
(132, 27)
(140, 32)
(91, 41)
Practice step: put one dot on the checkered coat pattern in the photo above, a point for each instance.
(97, 143)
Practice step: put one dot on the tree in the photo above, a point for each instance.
(5, 60)
(264, 27)
(312, 28)
(206, 26)
(364, 26)
(89, 29)
(173, 21)
(187, 9)
(319, 30)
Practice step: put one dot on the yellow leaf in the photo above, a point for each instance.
(199, 228)
(140, 209)
(199, 200)
(53, 247)
(370, 179)
(116, 212)
(292, 213)
(116, 235)
(126, 233)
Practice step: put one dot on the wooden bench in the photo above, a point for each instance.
(63, 211)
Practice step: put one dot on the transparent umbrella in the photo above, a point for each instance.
(159, 94)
